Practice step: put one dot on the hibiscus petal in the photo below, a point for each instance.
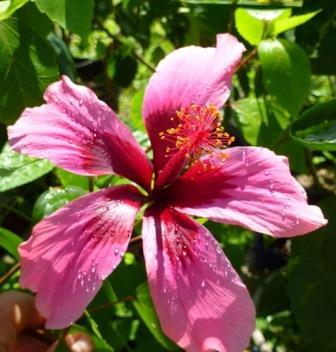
(71, 252)
(81, 134)
(200, 300)
(253, 188)
(186, 76)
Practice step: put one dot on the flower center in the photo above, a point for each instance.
(197, 132)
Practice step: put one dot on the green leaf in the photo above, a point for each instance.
(93, 324)
(263, 123)
(279, 3)
(53, 199)
(73, 15)
(316, 127)
(270, 15)
(260, 120)
(254, 25)
(144, 306)
(295, 153)
(250, 113)
(249, 27)
(10, 241)
(286, 73)
(312, 283)
(97, 334)
(70, 179)
(136, 120)
(8, 7)
(27, 67)
(63, 55)
(17, 169)
(292, 22)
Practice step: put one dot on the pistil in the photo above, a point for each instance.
(198, 131)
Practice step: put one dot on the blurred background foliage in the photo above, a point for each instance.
(283, 98)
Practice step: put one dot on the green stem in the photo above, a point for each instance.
(311, 168)
(13, 210)
(91, 183)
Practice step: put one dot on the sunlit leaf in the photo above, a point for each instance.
(136, 120)
(292, 22)
(260, 120)
(69, 179)
(52, 199)
(17, 169)
(249, 27)
(8, 7)
(73, 15)
(264, 123)
(255, 25)
(27, 67)
(291, 3)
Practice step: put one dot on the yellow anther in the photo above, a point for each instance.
(196, 130)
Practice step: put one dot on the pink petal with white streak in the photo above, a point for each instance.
(191, 75)
(252, 187)
(70, 252)
(200, 300)
(80, 133)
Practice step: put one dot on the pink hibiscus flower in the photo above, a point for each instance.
(200, 300)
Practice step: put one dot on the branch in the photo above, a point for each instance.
(9, 273)
(111, 304)
(118, 41)
(246, 59)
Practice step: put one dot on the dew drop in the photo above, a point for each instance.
(116, 251)
(203, 283)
